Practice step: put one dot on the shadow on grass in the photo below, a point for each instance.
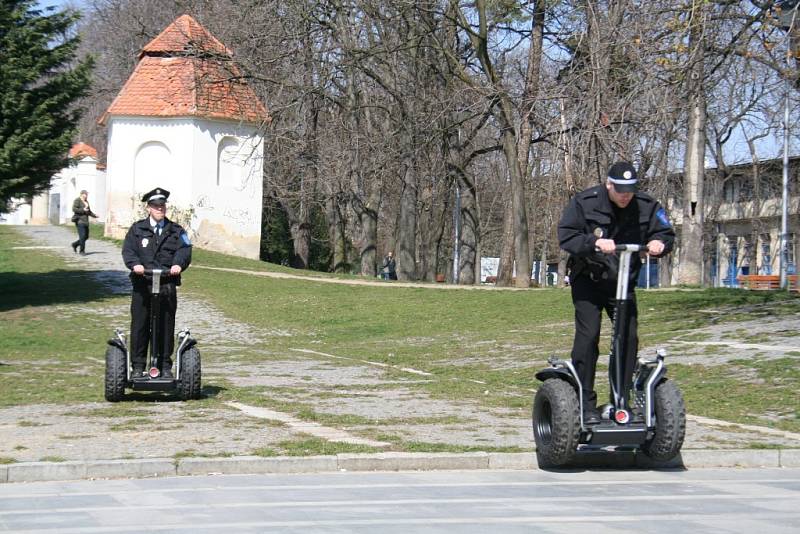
(54, 287)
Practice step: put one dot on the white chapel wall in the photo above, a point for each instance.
(227, 188)
(144, 153)
(213, 170)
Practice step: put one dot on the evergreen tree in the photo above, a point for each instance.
(40, 80)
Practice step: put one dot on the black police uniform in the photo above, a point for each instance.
(589, 216)
(146, 246)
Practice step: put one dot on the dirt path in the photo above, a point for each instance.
(95, 431)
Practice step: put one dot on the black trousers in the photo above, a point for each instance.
(141, 302)
(83, 236)
(590, 299)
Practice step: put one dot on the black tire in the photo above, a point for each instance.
(556, 424)
(670, 430)
(116, 373)
(189, 383)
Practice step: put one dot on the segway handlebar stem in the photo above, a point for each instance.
(627, 251)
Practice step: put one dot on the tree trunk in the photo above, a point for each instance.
(337, 228)
(407, 227)
(468, 258)
(505, 267)
(519, 210)
(301, 241)
(368, 220)
(690, 270)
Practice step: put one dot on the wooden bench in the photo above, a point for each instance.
(759, 282)
(768, 281)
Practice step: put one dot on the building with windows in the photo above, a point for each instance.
(186, 121)
(743, 220)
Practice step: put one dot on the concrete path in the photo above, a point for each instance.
(463, 502)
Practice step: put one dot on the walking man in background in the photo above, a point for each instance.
(80, 216)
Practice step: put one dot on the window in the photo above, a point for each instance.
(766, 254)
(230, 163)
(771, 186)
(747, 252)
(733, 253)
(727, 191)
(152, 167)
(745, 189)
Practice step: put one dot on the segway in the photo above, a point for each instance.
(187, 374)
(659, 424)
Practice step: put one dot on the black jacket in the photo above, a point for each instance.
(590, 215)
(81, 212)
(141, 247)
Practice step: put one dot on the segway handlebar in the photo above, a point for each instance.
(626, 247)
(157, 275)
(632, 248)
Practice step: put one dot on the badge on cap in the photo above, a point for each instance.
(598, 232)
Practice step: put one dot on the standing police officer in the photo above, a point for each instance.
(155, 242)
(593, 223)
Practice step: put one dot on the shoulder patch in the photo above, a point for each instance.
(185, 239)
(589, 193)
(661, 215)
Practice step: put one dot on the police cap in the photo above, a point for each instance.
(157, 196)
(623, 176)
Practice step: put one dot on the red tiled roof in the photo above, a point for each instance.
(185, 35)
(174, 78)
(80, 150)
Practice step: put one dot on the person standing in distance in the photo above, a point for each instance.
(80, 216)
(155, 242)
(389, 268)
(593, 223)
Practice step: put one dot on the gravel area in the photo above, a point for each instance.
(381, 406)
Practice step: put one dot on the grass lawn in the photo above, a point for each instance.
(482, 346)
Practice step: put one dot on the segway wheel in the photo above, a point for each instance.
(556, 424)
(189, 383)
(116, 373)
(670, 429)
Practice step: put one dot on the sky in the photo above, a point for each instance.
(60, 3)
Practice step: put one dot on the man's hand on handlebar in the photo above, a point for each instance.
(606, 246)
(655, 247)
(175, 270)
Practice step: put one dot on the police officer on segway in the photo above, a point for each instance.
(593, 223)
(155, 242)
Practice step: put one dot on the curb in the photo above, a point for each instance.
(389, 461)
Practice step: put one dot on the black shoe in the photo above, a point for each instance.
(591, 416)
(83, 253)
(75, 248)
(167, 373)
(137, 371)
